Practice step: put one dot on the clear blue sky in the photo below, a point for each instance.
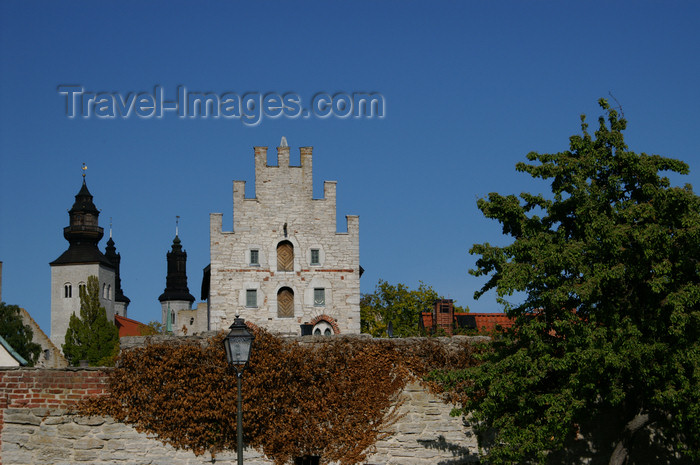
(470, 89)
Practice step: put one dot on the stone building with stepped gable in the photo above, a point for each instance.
(285, 264)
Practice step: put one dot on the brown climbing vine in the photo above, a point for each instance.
(333, 399)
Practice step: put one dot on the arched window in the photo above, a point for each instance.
(285, 256)
(285, 303)
(323, 328)
(82, 288)
(67, 291)
(104, 291)
(109, 292)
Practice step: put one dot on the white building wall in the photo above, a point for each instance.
(284, 195)
(63, 307)
(175, 307)
(6, 359)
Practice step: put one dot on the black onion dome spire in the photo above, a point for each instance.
(176, 280)
(83, 232)
(83, 202)
(115, 258)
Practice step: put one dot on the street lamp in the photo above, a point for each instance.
(237, 345)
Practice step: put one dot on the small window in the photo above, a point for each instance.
(323, 328)
(254, 257)
(251, 298)
(81, 288)
(104, 291)
(319, 297)
(109, 292)
(315, 257)
(67, 291)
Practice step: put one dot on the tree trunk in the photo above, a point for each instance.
(619, 455)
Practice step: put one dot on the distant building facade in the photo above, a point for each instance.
(443, 317)
(178, 316)
(70, 271)
(284, 264)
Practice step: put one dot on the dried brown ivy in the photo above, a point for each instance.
(333, 399)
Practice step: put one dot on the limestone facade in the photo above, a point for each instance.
(66, 281)
(285, 263)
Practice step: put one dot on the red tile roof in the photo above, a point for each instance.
(128, 327)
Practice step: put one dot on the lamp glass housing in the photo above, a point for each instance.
(238, 343)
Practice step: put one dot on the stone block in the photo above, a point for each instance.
(115, 444)
(88, 444)
(22, 417)
(56, 420)
(85, 456)
(42, 442)
(89, 421)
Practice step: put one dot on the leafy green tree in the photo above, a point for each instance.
(153, 328)
(605, 351)
(398, 305)
(17, 334)
(91, 336)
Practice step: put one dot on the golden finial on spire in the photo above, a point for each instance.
(84, 170)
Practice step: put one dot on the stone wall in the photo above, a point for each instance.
(51, 356)
(284, 209)
(37, 427)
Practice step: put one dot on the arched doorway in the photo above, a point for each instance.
(285, 303)
(285, 256)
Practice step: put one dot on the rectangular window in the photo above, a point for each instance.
(315, 257)
(319, 297)
(251, 298)
(254, 257)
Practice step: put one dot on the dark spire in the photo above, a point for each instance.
(83, 232)
(115, 258)
(176, 280)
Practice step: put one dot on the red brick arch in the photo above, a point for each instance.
(330, 320)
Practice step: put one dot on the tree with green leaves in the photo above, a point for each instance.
(603, 358)
(17, 334)
(395, 305)
(91, 336)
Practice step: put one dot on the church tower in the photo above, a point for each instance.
(176, 298)
(70, 271)
(121, 302)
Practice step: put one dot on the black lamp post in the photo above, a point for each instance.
(237, 345)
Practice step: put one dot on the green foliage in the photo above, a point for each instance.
(17, 334)
(610, 326)
(396, 304)
(152, 328)
(91, 336)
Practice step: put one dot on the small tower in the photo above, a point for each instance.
(82, 259)
(121, 302)
(176, 297)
